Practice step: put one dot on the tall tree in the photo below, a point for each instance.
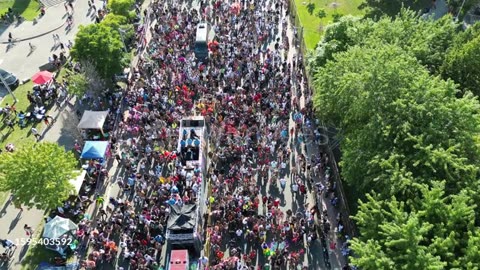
(378, 8)
(369, 256)
(429, 232)
(462, 63)
(121, 7)
(471, 261)
(399, 122)
(426, 40)
(102, 46)
(335, 39)
(38, 174)
(77, 83)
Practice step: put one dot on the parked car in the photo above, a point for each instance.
(10, 79)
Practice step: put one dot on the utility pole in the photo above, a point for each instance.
(8, 88)
(459, 10)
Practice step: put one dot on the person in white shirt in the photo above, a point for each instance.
(294, 190)
(283, 167)
(239, 233)
(283, 183)
(36, 133)
(273, 165)
(148, 258)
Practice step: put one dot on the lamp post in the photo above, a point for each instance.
(459, 10)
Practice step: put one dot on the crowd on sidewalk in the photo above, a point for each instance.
(248, 92)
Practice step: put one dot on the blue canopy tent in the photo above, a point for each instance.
(94, 149)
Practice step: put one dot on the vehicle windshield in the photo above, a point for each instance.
(8, 77)
(4, 74)
(200, 46)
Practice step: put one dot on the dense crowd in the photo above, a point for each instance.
(249, 92)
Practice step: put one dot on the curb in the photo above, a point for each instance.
(42, 34)
(36, 36)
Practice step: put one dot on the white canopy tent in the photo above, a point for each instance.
(93, 120)
(78, 182)
(57, 227)
(62, 229)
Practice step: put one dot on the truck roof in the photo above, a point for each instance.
(202, 32)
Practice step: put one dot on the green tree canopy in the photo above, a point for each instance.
(399, 122)
(77, 84)
(410, 146)
(379, 8)
(38, 174)
(430, 232)
(462, 63)
(120, 23)
(115, 21)
(102, 46)
(426, 40)
(121, 7)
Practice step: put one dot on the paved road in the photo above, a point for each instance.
(314, 257)
(24, 65)
(19, 60)
(12, 221)
(439, 10)
(63, 132)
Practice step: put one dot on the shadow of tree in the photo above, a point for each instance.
(19, 6)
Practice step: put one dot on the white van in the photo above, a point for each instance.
(201, 42)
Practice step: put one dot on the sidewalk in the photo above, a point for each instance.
(51, 21)
(18, 60)
(63, 131)
(12, 221)
(315, 256)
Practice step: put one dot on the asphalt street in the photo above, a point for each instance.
(19, 60)
(23, 63)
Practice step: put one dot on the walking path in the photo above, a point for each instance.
(24, 65)
(12, 221)
(18, 59)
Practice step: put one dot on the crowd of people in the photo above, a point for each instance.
(250, 93)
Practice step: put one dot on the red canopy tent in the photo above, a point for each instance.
(42, 77)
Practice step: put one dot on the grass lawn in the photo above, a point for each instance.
(29, 9)
(19, 136)
(312, 24)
